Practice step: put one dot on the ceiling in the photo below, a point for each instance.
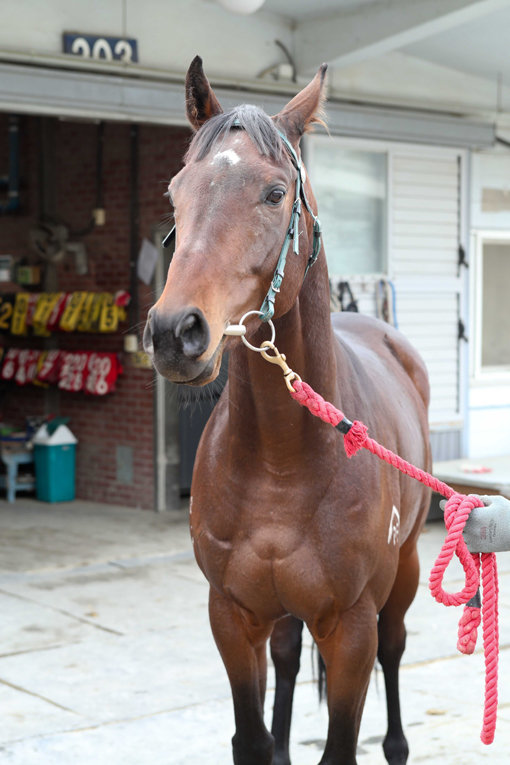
(300, 10)
(468, 36)
(480, 47)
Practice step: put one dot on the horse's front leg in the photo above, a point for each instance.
(242, 645)
(286, 653)
(348, 645)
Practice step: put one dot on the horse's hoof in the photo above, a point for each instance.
(396, 751)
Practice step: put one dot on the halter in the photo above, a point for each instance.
(267, 307)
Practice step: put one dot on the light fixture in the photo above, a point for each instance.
(241, 6)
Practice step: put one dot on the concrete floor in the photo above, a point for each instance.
(106, 655)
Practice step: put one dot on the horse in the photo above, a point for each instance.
(285, 528)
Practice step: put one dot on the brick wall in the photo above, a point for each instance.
(115, 432)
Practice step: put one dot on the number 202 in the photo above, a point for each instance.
(102, 49)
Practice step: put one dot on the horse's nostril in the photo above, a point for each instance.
(193, 332)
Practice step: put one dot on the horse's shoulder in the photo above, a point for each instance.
(358, 330)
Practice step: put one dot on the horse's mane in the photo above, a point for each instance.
(257, 124)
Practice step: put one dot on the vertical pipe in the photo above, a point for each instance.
(134, 307)
(12, 203)
(99, 166)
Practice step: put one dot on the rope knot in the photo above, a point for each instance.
(355, 438)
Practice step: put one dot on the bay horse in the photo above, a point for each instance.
(286, 529)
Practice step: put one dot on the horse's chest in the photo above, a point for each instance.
(248, 551)
(270, 568)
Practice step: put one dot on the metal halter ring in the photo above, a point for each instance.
(245, 341)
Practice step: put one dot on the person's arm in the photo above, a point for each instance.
(488, 528)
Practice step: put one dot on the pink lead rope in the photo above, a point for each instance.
(457, 512)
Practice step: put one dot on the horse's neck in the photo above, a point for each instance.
(259, 400)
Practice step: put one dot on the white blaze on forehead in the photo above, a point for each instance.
(229, 156)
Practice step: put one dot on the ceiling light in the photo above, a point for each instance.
(241, 6)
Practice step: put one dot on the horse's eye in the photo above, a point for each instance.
(275, 196)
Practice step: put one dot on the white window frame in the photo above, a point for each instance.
(479, 374)
(391, 148)
(375, 147)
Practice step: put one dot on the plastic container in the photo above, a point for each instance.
(55, 464)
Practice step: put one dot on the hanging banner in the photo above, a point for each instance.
(19, 316)
(6, 311)
(27, 367)
(46, 312)
(87, 371)
(48, 369)
(10, 364)
(71, 315)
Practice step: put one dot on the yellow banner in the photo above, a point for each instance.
(19, 315)
(109, 318)
(85, 323)
(71, 315)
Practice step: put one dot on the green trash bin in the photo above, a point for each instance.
(55, 464)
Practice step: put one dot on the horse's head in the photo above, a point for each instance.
(233, 203)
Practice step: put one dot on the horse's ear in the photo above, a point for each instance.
(201, 103)
(305, 109)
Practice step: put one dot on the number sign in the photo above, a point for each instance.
(97, 47)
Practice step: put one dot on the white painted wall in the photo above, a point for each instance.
(489, 420)
(405, 80)
(490, 170)
(169, 32)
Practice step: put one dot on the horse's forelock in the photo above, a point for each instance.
(257, 124)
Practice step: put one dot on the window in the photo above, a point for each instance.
(492, 318)
(351, 190)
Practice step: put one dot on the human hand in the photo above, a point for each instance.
(488, 528)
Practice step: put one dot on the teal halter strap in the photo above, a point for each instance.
(267, 307)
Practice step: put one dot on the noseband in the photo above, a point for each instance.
(292, 235)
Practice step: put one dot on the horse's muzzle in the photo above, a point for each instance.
(176, 342)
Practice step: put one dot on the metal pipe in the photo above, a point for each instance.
(12, 203)
(134, 210)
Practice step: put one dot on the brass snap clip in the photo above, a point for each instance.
(279, 358)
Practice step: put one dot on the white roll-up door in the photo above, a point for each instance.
(425, 235)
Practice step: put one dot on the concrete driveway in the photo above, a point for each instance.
(106, 655)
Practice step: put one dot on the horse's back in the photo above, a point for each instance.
(363, 334)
